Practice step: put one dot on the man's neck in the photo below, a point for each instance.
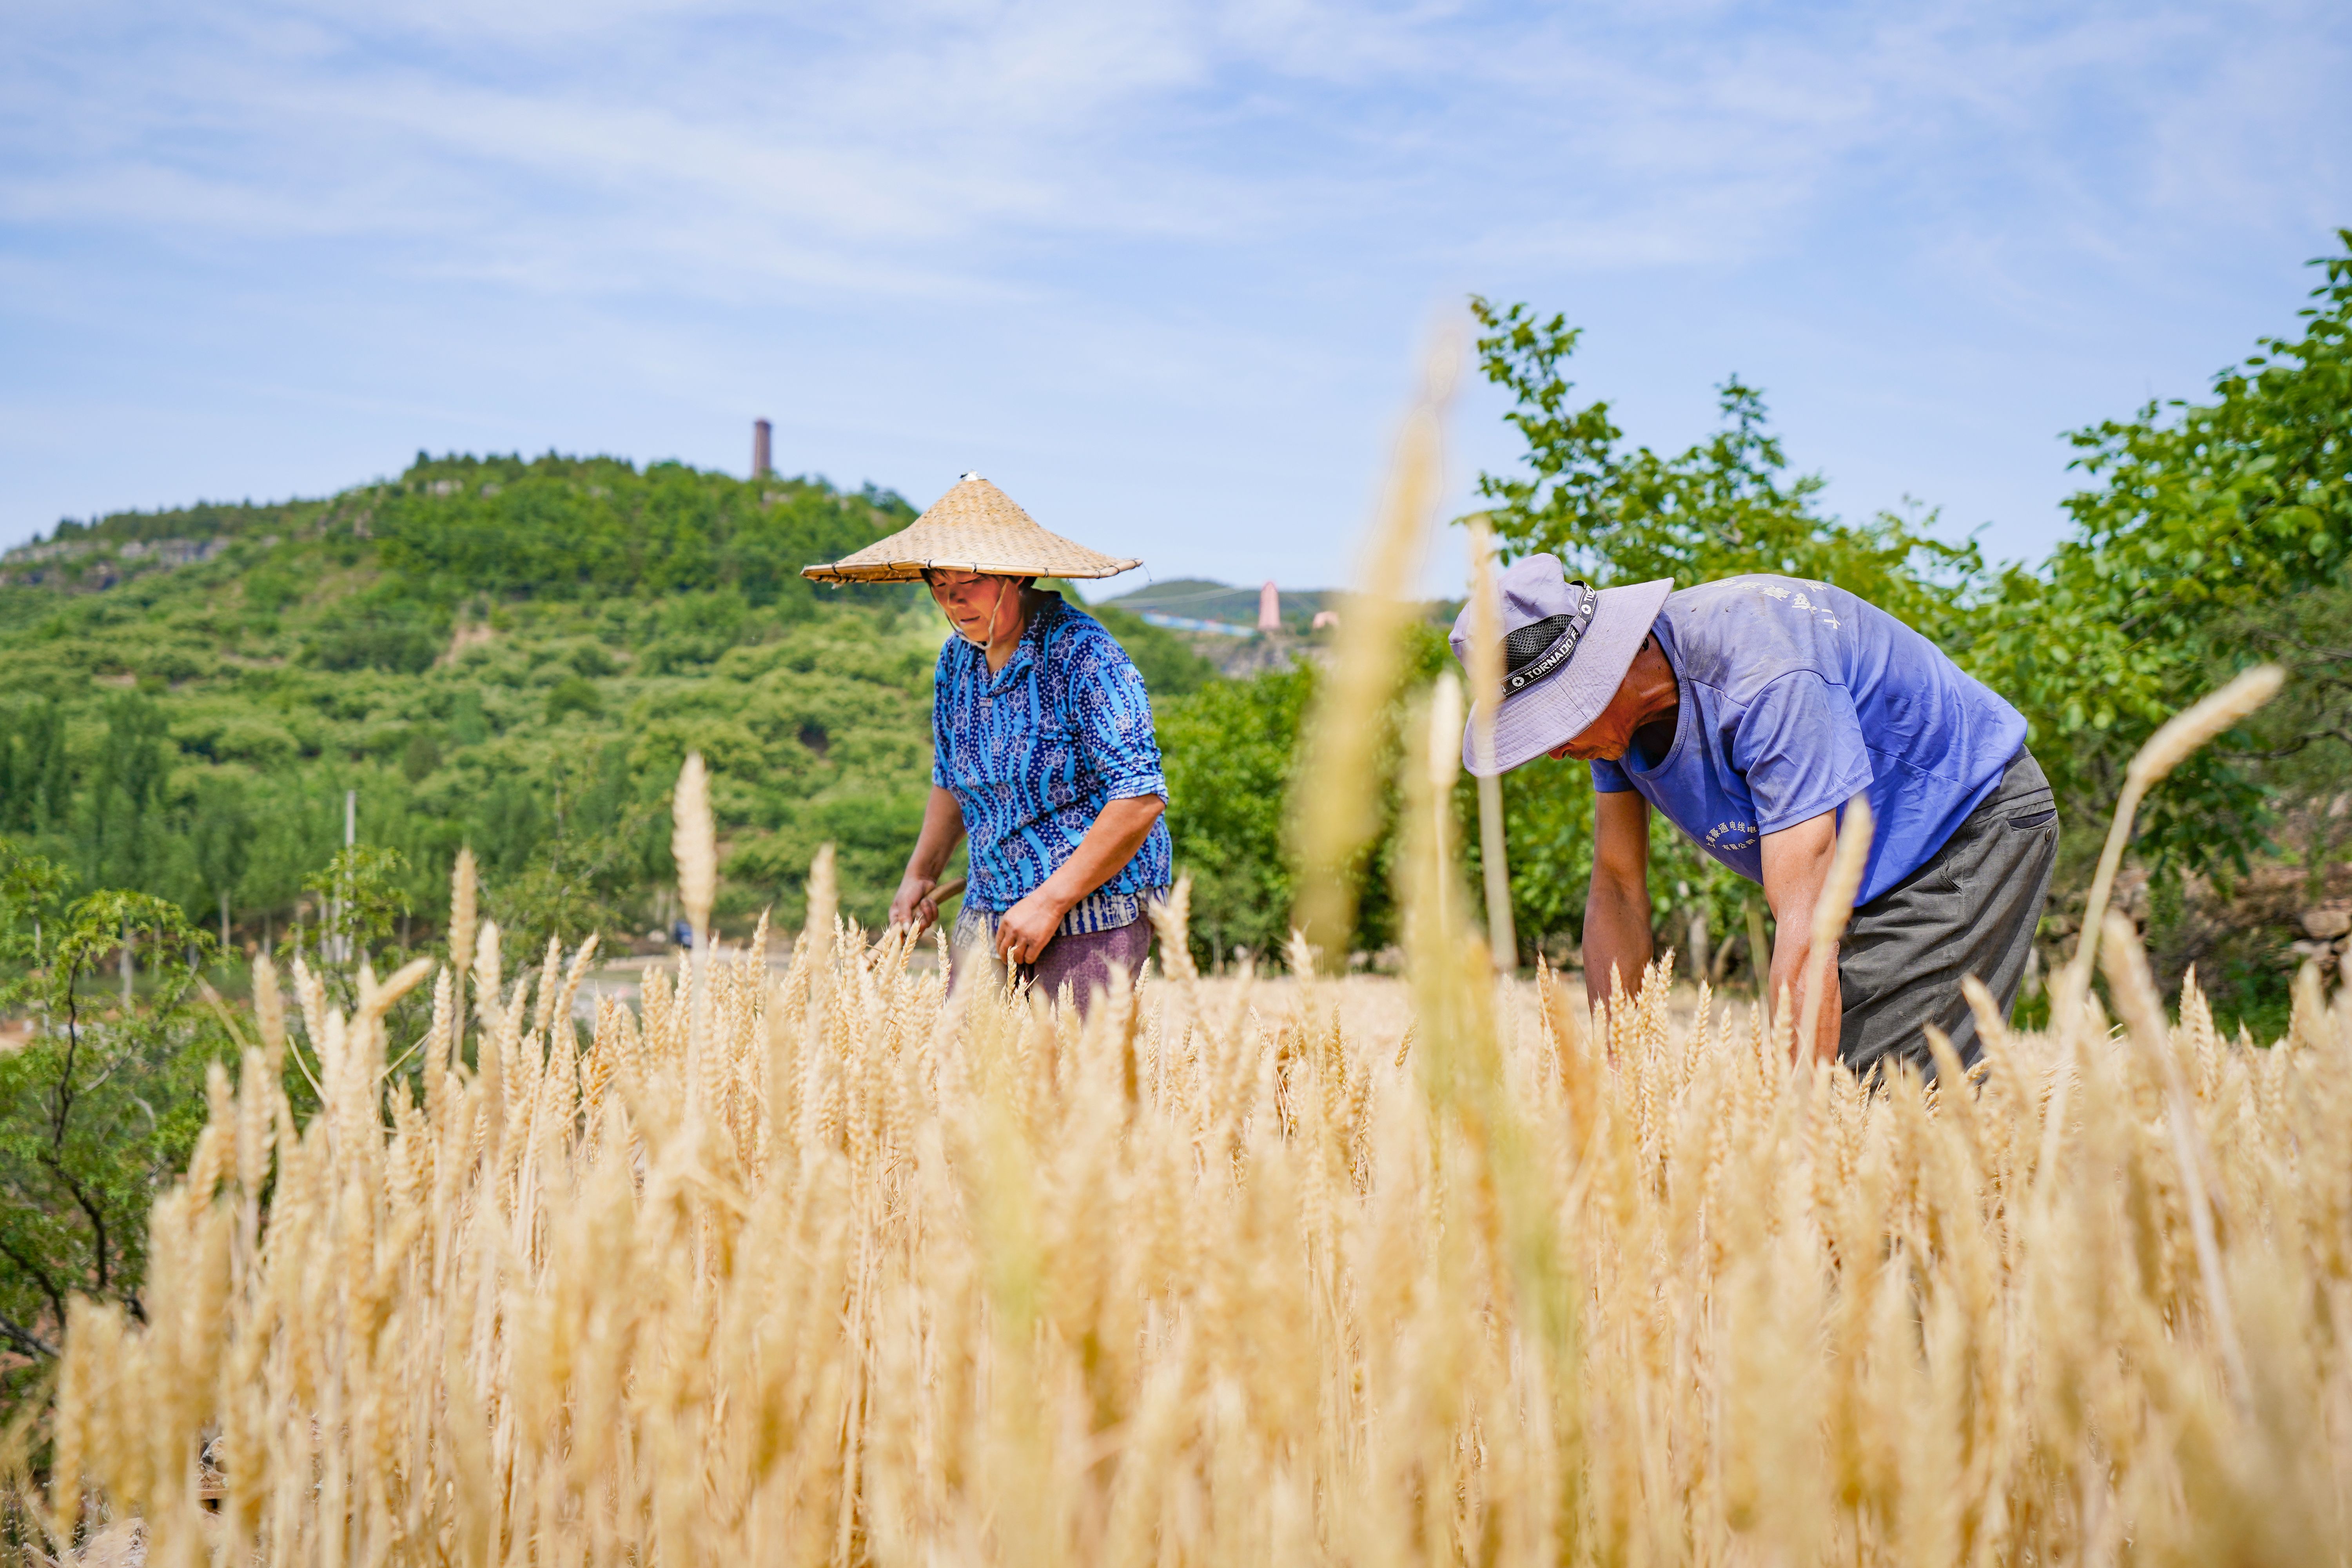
(1660, 699)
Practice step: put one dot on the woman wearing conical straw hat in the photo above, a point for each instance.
(1044, 749)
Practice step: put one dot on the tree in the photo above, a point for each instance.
(1627, 514)
(2215, 537)
(36, 785)
(96, 1112)
(123, 821)
(361, 894)
(31, 893)
(1228, 751)
(222, 837)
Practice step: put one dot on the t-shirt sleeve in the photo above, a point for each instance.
(1114, 720)
(1608, 778)
(1800, 747)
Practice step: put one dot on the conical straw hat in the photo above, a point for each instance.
(974, 527)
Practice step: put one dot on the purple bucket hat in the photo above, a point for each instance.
(1565, 649)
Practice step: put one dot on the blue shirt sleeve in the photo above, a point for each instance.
(1114, 720)
(941, 687)
(1800, 747)
(1608, 778)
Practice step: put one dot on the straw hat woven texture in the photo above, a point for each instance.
(974, 527)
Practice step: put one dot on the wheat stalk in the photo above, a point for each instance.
(1830, 912)
(1334, 803)
(1485, 671)
(2178, 739)
(841, 1271)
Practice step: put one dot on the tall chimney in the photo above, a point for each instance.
(761, 467)
(1269, 608)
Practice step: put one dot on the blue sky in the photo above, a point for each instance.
(1159, 269)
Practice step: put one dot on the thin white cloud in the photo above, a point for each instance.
(833, 147)
(1192, 206)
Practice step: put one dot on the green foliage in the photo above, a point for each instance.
(596, 528)
(2217, 536)
(514, 655)
(1626, 514)
(1228, 750)
(36, 785)
(361, 892)
(378, 633)
(97, 1109)
(123, 830)
(220, 836)
(573, 694)
(32, 894)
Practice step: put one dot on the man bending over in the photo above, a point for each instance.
(1749, 711)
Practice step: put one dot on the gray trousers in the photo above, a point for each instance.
(1971, 910)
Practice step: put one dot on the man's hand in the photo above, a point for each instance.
(914, 905)
(1023, 931)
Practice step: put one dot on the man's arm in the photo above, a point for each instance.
(1796, 864)
(1617, 913)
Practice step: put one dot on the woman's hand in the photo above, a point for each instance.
(918, 903)
(1023, 931)
(1117, 832)
(914, 905)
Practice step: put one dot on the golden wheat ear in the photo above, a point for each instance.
(694, 843)
(1171, 921)
(2179, 737)
(1334, 804)
(464, 890)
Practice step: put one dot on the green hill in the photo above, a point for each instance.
(514, 655)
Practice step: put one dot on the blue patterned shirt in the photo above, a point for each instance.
(1034, 751)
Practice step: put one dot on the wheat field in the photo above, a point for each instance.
(838, 1269)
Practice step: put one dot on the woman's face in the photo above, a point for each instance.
(982, 608)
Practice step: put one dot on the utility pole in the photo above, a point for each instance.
(343, 893)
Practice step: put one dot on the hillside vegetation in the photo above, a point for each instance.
(507, 654)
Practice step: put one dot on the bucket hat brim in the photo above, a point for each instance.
(1563, 704)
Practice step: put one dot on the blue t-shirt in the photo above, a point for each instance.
(1797, 696)
(1034, 750)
